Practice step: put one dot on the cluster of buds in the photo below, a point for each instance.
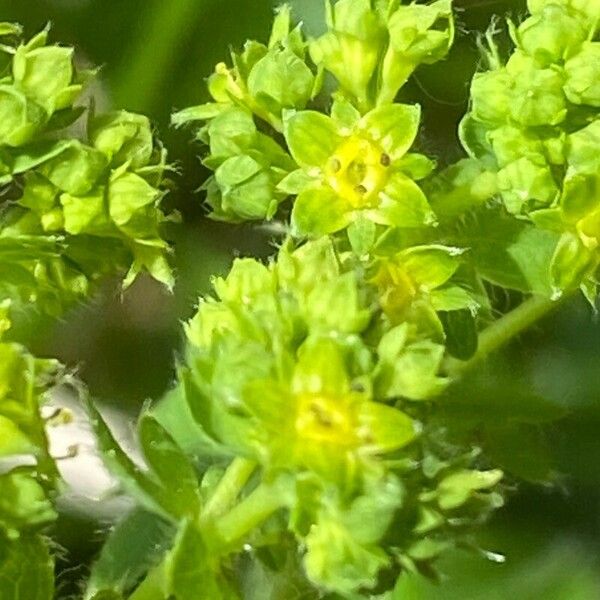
(62, 195)
(534, 122)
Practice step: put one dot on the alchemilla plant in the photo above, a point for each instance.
(319, 458)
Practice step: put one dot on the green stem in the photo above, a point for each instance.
(233, 481)
(503, 330)
(251, 512)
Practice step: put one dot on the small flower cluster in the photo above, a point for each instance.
(348, 170)
(534, 122)
(296, 367)
(64, 197)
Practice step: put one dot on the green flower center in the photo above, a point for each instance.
(358, 171)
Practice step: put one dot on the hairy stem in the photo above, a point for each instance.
(233, 481)
(502, 331)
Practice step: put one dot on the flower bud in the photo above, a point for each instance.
(537, 97)
(525, 181)
(582, 84)
(76, 170)
(490, 94)
(45, 74)
(20, 118)
(550, 36)
(123, 137)
(350, 49)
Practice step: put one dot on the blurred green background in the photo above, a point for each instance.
(155, 56)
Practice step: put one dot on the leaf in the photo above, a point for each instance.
(26, 569)
(23, 502)
(281, 80)
(361, 234)
(141, 485)
(174, 470)
(130, 551)
(461, 333)
(510, 253)
(430, 266)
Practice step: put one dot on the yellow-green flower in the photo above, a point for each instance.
(353, 166)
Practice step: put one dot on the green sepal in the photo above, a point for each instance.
(571, 264)
(312, 137)
(394, 126)
(402, 204)
(319, 211)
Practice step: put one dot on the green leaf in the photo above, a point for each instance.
(147, 491)
(452, 298)
(202, 112)
(408, 371)
(319, 211)
(295, 182)
(26, 569)
(20, 118)
(510, 253)
(133, 547)
(320, 368)
(422, 33)
(13, 441)
(583, 76)
(231, 132)
(44, 73)
(174, 470)
(389, 428)
(23, 502)
(192, 573)
(85, 214)
(127, 194)
(336, 306)
(460, 329)
(312, 137)
(582, 149)
(571, 263)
